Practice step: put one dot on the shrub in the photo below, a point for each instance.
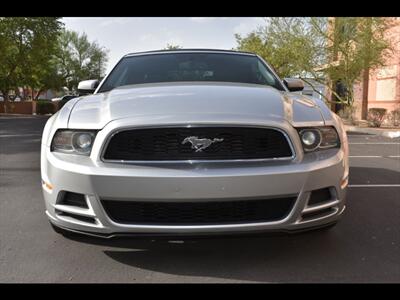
(394, 117)
(44, 107)
(376, 116)
(348, 114)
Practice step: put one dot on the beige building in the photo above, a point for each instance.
(384, 83)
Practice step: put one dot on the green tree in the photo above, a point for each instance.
(25, 45)
(46, 77)
(78, 59)
(355, 45)
(320, 49)
(290, 45)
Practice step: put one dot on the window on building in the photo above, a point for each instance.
(386, 83)
(386, 89)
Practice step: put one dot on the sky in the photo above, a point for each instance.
(125, 35)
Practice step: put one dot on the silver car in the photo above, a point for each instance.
(193, 142)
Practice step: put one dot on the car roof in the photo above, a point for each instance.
(194, 50)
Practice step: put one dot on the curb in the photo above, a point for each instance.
(390, 133)
(24, 115)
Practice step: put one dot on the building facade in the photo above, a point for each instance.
(384, 82)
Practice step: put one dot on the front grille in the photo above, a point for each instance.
(198, 213)
(161, 144)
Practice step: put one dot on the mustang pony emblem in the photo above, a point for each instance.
(200, 144)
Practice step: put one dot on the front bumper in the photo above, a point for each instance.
(193, 182)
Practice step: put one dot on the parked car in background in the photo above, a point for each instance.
(11, 98)
(62, 100)
(14, 98)
(193, 142)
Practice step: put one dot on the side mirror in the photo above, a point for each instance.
(294, 84)
(87, 86)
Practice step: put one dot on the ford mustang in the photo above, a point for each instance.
(193, 142)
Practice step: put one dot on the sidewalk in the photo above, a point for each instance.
(390, 133)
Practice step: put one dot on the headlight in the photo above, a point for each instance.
(318, 138)
(72, 141)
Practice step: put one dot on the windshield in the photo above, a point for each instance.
(175, 67)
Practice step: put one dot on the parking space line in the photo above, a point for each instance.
(16, 135)
(372, 185)
(375, 143)
(374, 156)
(364, 156)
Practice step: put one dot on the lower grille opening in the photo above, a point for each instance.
(198, 213)
(73, 199)
(320, 196)
(318, 213)
(77, 217)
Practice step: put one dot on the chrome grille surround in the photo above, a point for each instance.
(194, 161)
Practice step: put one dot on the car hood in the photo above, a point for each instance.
(193, 102)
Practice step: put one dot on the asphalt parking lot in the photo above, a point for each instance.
(363, 247)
